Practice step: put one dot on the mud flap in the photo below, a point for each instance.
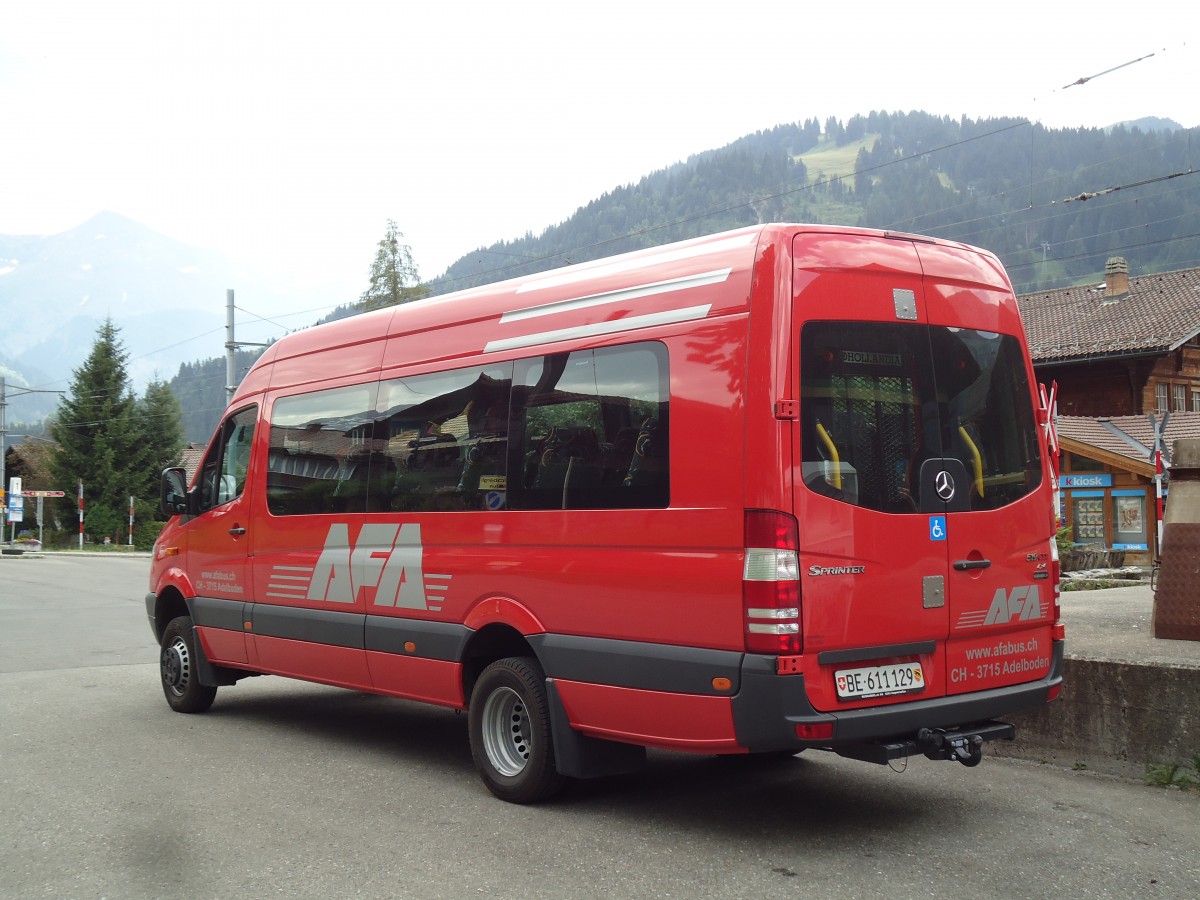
(215, 676)
(579, 756)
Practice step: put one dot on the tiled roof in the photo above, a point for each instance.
(1129, 436)
(36, 457)
(1158, 314)
(190, 460)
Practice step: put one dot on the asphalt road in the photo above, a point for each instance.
(294, 790)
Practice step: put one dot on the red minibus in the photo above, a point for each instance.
(780, 488)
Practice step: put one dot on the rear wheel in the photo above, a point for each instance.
(510, 731)
(177, 668)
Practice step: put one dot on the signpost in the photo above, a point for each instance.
(41, 498)
(16, 503)
(1158, 429)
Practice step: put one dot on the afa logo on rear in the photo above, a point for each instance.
(1019, 604)
(384, 566)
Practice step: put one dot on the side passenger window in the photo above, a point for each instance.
(585, 430)
(223, 476)
(593, 430)
(325, 452)
(446, 439)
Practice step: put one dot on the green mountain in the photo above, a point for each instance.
(1053, 204)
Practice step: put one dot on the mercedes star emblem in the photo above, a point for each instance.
(944, 485)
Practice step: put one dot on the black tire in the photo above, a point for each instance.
(509, 724)
(177, 669)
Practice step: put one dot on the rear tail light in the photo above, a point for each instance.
(815, 731)
(771, 583)
(1055, 575)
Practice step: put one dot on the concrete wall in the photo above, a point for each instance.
(1113, 717)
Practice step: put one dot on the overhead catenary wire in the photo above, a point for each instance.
(1087, 78)
(527, 259)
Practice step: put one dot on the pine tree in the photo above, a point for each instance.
(394, 278)
(99, 440)
(161, 424)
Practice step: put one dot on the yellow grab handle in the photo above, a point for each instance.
(832, 448)
(975, 457)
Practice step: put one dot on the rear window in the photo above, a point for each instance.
(900, 417)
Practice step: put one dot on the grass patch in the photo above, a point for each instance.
(832, 161)
(1183, 776)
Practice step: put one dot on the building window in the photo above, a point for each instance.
(1129, 520)
(1160, 397)
(1087, 517)
(1077, 463)
(1179, 403)
(1195, 401)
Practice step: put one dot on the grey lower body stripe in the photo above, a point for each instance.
(317, 626)
(385, 634)
(631, 664)
(635, 664)
(433, 640)
(213, 612)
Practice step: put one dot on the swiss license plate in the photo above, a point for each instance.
(879, 681)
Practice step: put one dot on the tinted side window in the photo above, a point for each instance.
(446, 440)
(591, 430)
(325, 451)
(223, 474)
(585, 430)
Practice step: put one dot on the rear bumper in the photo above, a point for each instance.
(769, 706)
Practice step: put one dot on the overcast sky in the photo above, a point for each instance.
(286, 134)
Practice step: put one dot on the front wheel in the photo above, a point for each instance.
(177, 667)
(509, 725)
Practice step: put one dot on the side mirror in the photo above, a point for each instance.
(173, 494)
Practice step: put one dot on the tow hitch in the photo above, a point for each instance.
(938, 744)
(965, 745)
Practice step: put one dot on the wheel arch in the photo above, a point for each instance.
(169, 605)
(500, 627)
(494, 641)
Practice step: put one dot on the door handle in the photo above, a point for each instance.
(965, 565)
(237, 530)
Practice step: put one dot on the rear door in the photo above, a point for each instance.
(873, 559)
(918, 500)
(998, 591)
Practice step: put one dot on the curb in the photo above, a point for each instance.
(1116, 718)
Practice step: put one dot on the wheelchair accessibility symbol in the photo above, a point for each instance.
(937, 528)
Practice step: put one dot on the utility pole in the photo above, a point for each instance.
(231, 346)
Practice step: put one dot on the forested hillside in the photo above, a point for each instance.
(1053, 204)
(1013, 187)
(200, 389)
